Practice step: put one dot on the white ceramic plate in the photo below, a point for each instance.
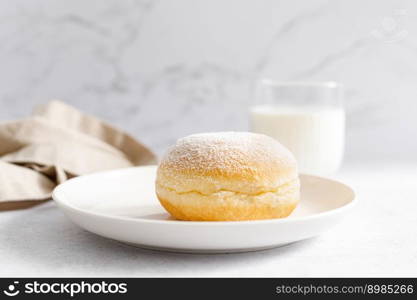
(121, 205)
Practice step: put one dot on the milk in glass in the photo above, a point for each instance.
(307, 118)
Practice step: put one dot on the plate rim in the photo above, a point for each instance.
(73, 208)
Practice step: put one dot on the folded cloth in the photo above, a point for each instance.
(56, 143)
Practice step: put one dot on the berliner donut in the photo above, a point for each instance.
(228, 176)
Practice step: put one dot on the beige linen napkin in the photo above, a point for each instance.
(56, 143)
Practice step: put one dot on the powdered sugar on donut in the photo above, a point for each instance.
(226, 152)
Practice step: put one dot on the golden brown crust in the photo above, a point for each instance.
(228, 212)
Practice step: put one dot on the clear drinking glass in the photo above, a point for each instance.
(306, 117)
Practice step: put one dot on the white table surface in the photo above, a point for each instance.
(378, 239)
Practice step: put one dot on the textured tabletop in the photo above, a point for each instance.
(378, 239)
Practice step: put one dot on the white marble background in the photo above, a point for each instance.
(164, 69)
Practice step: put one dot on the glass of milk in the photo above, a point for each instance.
(306, 117)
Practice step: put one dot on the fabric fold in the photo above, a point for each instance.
(56, 143)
